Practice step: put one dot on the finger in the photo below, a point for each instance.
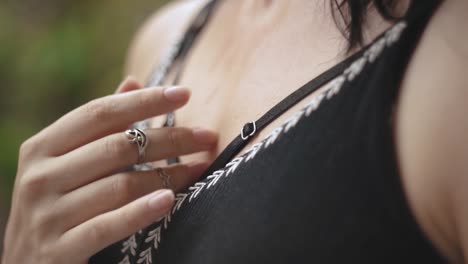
(113, 153)
(108, 115)
(113, 192)
(108, 228)
(127, 85)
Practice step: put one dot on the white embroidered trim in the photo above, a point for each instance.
(125, 260)
(145, 257)
(332, 89)
(130, 245)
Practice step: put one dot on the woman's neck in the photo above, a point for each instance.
(317, 14)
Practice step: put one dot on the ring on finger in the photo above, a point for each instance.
(139, 138)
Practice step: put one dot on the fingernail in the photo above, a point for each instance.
(176, 93)
(204, 136)
(161, 200)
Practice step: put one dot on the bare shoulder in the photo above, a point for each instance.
(432, 131)
(163, 29)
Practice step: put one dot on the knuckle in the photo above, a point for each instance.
(98, 110)
(175, 138)
(115, 147)
(34, 182)
(129, 221)
(40, 220)
(122, 188)
(144, 100)
(97, 232)
(28, 148)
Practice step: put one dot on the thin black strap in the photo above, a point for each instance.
(192, 35)
(185, 45)
(183, 49)
(249, 129)
(180, 50)
(177, 53)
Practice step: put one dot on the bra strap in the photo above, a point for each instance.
(418, 14)
(178, 52)
(251, 128)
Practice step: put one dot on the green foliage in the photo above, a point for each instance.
(55, 58)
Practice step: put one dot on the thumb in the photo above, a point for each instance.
(127, 85)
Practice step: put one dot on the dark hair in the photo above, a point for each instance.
(353, 15)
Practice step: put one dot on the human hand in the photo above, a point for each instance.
(71, 198)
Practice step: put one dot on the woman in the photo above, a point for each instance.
(346, 168)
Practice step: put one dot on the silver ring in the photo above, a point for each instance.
(138, 137)
(165, 178)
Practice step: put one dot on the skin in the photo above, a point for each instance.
(265, 38)
(57, 205)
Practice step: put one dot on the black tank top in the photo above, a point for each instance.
(322, 188)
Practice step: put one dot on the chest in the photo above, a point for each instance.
(244, 62)
(236, 77)
(323, 185)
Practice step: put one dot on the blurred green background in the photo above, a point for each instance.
(54, 56)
